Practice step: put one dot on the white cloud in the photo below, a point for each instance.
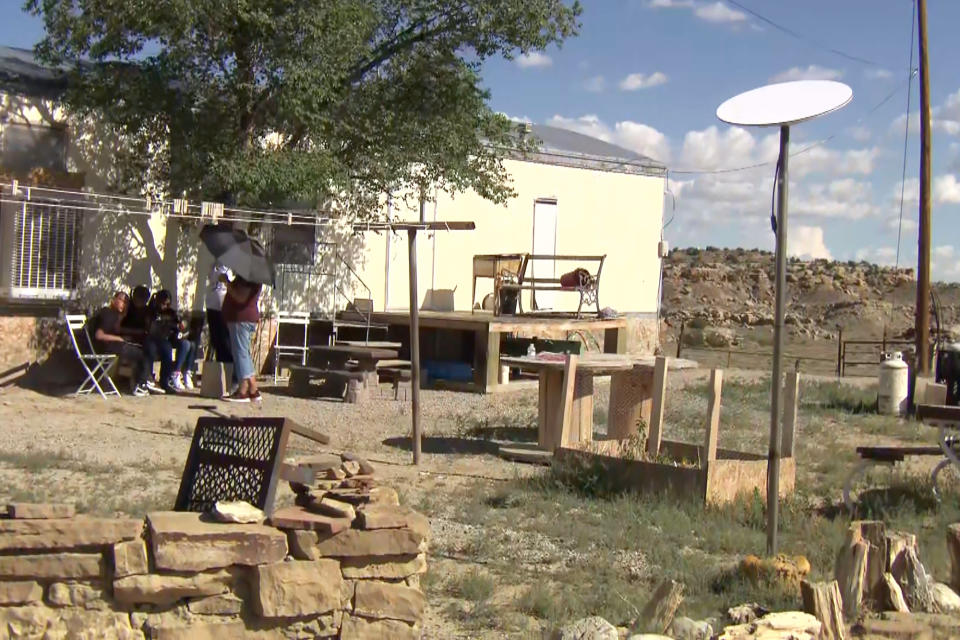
(860, 133)
(719, 12)
(885, 256)
(635, 136)
(945, 118)
(946, 189)
(807, 243)
(515, 118)
(812, 72)
(534, 60)
(943, 251)
(596, 84)
(636, 81)
(670, 4)
(878, 74)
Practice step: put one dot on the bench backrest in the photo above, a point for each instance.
(77, 322)
(561, 258)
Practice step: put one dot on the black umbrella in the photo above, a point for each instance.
(238, 252)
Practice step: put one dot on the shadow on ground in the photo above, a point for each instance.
(446, 445)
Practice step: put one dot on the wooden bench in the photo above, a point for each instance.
(589, 291)
(338, 383)
(871, 456)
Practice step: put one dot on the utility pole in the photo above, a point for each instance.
(922, 367)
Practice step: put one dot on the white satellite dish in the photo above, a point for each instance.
(785, 103)
(781, 104)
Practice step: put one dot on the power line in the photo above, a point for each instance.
(800, 36)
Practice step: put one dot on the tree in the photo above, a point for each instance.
(261, 102)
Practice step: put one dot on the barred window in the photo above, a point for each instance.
(44, 249)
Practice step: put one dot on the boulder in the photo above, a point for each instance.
(792, 625)
(385, 516)
(593, 628)
(130, 558)
(296, 588)
(365, 467)
(165, 590)
(683, 628)
(945, 600)
(357, 628)
(58, 566)
(65, 534)
(373, 599)
(337, 509)
(20, 592)
(351, 468)
(384, 495)
(303, 544)
(183, 542)
(238, 512)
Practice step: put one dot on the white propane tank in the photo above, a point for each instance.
(892, 396)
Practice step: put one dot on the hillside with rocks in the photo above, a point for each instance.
(734, 289)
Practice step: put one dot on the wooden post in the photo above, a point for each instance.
(566, 400)
(656, 414)
(414, 348)
(713, 415)
(790, 400)
(680, 338)
(839, 351)
(922, 365)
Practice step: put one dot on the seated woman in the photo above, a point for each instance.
(169, 330)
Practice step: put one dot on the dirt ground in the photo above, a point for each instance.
(126, 456)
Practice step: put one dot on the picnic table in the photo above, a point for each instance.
(945, 418)
(342, 367)
(565, 412)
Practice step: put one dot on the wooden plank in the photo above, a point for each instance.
(583, 409)
(304, 432)
(566, 400)
(656, 413)
(715, 388)
(790, 401)
(543, 424)
(523, 452)
(492, 361)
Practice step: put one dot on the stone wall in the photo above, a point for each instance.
(180, 575)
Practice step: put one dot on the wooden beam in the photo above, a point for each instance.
(715, 388)
(656, 414)
(566, 400)
(414, 348)
(791, 396)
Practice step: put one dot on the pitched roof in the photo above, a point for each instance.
(21, 72)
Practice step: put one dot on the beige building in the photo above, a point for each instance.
(578, 195)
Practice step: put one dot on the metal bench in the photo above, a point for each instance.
(589, 289)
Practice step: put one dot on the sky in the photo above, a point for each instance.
(649, 74)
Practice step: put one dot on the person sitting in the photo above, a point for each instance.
(169, 331)
(136, 328)
(110, 337)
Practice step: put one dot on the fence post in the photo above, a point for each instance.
(680, 337)
(728, 358)
(839, 351)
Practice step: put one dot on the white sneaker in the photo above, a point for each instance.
(152, 387)
(176, 382)
(140, 391)
(188, 381)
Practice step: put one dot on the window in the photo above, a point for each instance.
(293, 244)
(24, 147)
(41, 249)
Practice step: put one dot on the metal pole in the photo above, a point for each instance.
(414, 348)
(776, 392)
(922, 364)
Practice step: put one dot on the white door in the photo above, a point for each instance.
(544, 243)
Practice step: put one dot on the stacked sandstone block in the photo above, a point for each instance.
(181, 575)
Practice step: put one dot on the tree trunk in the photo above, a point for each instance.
(822, 600)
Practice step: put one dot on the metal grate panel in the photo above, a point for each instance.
(46, 247)
(233, 459)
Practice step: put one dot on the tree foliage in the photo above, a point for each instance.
(265, 101)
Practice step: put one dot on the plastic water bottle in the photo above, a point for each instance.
(531, 351)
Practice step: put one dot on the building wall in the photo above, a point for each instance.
(599, 212)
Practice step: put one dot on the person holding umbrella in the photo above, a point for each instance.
(252, 268)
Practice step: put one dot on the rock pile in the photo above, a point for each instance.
(344, 562)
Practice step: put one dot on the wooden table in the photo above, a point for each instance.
(637, 388)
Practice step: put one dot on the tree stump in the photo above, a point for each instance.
(916, 584)
(894, 598)
(822, 600)
(662, 607)
(851, 570)
(953, 546)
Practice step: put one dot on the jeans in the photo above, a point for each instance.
(159, 349)
(186, 355)
(240, 335)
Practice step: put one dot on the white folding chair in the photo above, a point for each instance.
(95, 364)
(290, 318)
